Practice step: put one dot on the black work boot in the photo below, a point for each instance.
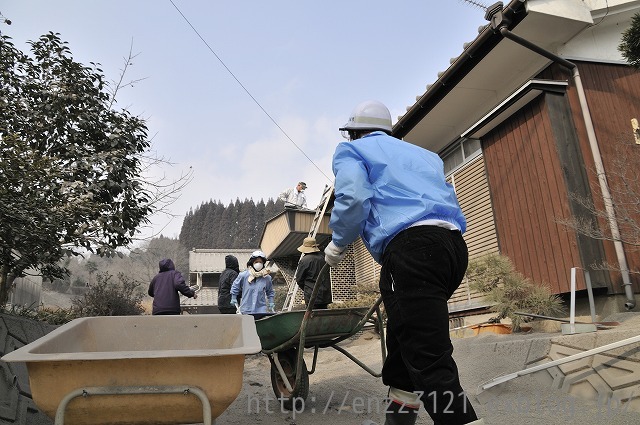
(400, 414)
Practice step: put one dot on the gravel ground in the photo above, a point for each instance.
(343, 393)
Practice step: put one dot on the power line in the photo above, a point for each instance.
(246, 90)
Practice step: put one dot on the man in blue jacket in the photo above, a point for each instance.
(165, 288)
(394, 195)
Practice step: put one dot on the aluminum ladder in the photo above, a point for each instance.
(315, 224)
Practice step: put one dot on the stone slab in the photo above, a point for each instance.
(559, 352)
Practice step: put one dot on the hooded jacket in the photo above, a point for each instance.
(226, 280)
(165, 288)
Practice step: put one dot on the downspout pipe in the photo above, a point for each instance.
(500, 23)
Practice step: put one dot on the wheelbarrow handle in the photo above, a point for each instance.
(324, 274)
(307, 314)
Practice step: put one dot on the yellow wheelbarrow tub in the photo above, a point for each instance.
(204, 352)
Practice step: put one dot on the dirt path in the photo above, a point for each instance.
(340, 391)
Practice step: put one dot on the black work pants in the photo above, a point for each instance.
(421, 268)
(227, 310)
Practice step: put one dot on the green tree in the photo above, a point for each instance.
(91, 267)
(630, 43)
(70, 165)
(163, 247)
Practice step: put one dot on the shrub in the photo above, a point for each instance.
(57, 285)
(366, 296)
(281, 295)
(104, 298)
(495, 276)
(52, 316)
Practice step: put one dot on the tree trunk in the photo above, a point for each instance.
(4, 285)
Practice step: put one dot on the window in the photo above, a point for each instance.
(461, 152)
(453, 160)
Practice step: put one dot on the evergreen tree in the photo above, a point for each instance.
(246, 229)
(186, 229)
(258, 218)
(228, 227)
(239, 225)
(629, 45)
(211, 224)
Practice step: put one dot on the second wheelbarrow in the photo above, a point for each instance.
(284, 336)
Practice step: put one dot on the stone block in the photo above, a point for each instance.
(15, 328)
(552, 376)
(33, 415)
(585, 341)
(626, 399)
(631, 351)
(4, 334)
(557, 352)
(538, 350)
(8, 394)
(18, 369)
(616, 372)
(587, 384)
(32, 329)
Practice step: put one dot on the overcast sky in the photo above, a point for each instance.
(304, 65)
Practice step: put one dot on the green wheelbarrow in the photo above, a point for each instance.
(284, 336)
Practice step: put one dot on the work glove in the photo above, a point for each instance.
(234, 302)
(333, 254)
(271, 307)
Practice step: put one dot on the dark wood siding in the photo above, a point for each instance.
(529, 194)
(613, 95)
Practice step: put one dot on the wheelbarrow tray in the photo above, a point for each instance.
(323, 328)
(201, 351)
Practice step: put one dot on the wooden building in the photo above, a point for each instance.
(522, 118)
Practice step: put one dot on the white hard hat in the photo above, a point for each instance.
(258, 254)
(369, 115)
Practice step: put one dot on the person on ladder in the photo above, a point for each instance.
(394, 195)
(294, 197)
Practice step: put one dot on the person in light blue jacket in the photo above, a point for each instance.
(393, 194)
(256, 288)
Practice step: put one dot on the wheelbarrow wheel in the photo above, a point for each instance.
(288, 361)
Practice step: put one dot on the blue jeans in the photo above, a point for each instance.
(421, 268)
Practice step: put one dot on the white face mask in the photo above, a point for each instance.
(257, 266)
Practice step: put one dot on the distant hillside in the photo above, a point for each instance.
(237, 225)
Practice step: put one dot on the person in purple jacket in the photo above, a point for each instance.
(165, 288)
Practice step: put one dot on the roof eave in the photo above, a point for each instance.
(486, 41)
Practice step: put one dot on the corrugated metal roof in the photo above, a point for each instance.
(212, 260)
(206, 296)
(284, 233)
